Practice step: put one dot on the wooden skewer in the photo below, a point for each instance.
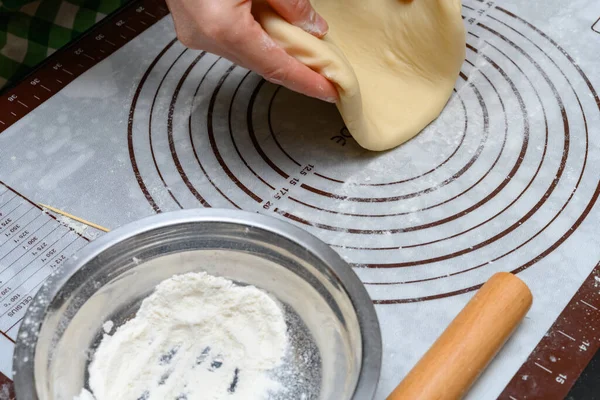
(83, 221)
(469, 343)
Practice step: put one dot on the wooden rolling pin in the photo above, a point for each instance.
(473, 338)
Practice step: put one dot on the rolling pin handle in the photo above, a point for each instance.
(472, 339)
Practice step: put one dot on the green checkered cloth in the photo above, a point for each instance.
(32, 30)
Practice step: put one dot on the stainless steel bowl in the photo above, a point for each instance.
(330, 316)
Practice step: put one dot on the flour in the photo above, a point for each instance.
(107, 326)
(76, 226)
(196, 337)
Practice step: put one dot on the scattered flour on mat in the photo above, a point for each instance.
(196, 337)
(76, 226)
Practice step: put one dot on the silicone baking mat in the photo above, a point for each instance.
(127, 122)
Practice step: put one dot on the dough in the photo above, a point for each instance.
(394, 62)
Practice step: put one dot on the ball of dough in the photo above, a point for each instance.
(394, 62)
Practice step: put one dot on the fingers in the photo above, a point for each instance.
(272, 62)
(302, 14)
(206, 26)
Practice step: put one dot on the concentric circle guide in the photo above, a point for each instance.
(471, 209)
(503, 178)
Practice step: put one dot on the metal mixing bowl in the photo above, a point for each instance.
(335, 337)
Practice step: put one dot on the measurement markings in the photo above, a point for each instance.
(7, 311)
(542, 367)
(52, 259)
(59, 254)
(9, 213)
(19, 320)
(14, 222)
(26, 237)
(37, 97)
(8, 227)
(567, 336)
(19, 231)
(156, 13)
(36, 271)
(14, 196)
(41, 241)
(589, 305)
(11, 199)
(33, 290)
(6, 214)
(511, 398)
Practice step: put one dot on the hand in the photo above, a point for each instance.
(227, 28)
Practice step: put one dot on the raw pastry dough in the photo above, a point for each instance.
(394, 62)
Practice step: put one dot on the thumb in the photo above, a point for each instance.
(301, 14)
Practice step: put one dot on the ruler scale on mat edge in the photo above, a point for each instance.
(52, 252)
(550, 370)
(67, 64)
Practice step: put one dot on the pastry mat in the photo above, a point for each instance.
(127, 122)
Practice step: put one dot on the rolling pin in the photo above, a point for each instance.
(472, 339)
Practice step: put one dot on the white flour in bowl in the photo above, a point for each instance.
(196, 337)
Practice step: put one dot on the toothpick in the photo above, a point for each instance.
(83, 221)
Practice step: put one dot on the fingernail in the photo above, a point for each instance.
(320, 24)
(316, 25)
(330, 99)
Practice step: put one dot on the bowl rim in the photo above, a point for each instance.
(368, 378)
